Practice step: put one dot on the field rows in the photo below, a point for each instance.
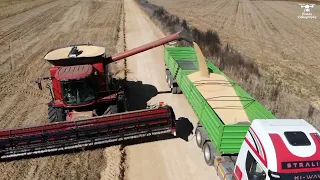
(25, 37)
(267, 31)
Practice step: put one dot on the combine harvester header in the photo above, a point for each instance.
(99, 130)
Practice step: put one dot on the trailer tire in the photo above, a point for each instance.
(201, 136)
(209, 153)
(167, 75)
(174, 90)
(179, 90)
(170, 82)
(113, 109)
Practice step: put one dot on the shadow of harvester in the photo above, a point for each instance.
(139, 94)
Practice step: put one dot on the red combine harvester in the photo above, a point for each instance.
(89, 106)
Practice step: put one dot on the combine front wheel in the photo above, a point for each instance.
(56, 114)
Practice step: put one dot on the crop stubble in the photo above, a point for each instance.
(26, 35)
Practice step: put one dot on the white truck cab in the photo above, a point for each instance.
(279, 149)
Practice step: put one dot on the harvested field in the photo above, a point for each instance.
(12, 7)
(236, 33)
(267, 31)
(28, 30)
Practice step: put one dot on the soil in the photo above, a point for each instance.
(164, 159)
(27, 33)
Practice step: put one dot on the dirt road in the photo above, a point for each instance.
(26, 35)
(167, 159)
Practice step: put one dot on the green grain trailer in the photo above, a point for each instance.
(227, 138)
(220, 140)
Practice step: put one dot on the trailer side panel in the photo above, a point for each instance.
(227, 139)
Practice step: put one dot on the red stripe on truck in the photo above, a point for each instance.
(256, 152)
(265, 162)
(238, 173)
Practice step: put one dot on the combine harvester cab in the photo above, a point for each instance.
(89, 106)
(82, 86)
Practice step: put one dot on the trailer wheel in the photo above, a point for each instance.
(209, 153)
(113, 109)
(201, 136)
(179, 90)
(167, 75)
(170, 82)
(174, 90)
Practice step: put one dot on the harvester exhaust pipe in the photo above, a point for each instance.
(182, 35)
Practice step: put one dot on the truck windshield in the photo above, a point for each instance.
(295, 176)
(76, 92)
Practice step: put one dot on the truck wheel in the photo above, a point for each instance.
(201, 136)
(209, 153)
(113, 109)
